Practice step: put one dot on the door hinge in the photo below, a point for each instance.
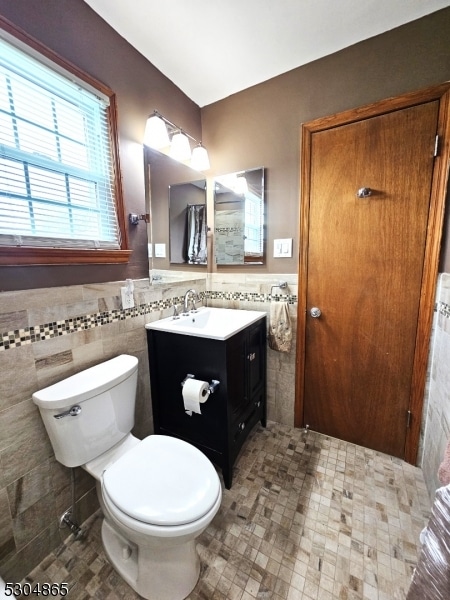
(436, 146)
(408, 419)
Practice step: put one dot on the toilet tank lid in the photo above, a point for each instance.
(87, 383)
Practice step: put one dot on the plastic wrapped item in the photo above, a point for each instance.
(431, 579)
(444, 468)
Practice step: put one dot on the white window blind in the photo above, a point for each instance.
(254, 236)
(56, 170)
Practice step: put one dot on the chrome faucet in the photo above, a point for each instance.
(193, 295)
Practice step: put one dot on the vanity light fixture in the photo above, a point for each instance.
(163, 135)
(180, 148)
(241, 185)
(200, 158)
(236, 182)
(156, 135)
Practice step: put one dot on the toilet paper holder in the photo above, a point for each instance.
(212, 386)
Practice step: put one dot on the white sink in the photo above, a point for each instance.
(213, 323)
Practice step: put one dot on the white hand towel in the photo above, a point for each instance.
(280, 329)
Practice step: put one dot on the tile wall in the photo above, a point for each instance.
(45, 336)
(49, 334)
(437, 429)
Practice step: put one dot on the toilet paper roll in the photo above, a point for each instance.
(195, 392)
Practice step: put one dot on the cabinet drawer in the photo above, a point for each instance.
(245, 422)
(241, 427)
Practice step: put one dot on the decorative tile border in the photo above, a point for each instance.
(39, 333)
(251, 297)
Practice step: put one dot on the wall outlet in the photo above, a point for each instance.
(127, 297)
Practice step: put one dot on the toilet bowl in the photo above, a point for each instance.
(157, 498)
(157, 495)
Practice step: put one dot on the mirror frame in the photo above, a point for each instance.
(161, 171)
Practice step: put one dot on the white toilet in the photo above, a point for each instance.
(157, 495)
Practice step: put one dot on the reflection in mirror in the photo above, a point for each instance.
(187, 223)
(162, 173)
(239, 208)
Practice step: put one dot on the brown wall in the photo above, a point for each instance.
(77, 33)
(257, 127)
(261, 126)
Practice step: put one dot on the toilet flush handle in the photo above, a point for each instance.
(72, 412)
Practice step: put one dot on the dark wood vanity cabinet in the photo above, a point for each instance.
(238, 402)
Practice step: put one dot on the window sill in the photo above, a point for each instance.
(26, 255)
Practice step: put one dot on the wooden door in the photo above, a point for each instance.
(366, 248)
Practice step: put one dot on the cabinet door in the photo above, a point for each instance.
(172, 357)
(246, 367)
(255, 358)
(238, 397)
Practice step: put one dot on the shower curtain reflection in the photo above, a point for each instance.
(187, 223)
(196, 234)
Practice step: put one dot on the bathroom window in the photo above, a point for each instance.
(60, 198)
(253, 218)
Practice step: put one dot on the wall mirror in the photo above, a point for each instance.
(239, 210)
(166, 181)
(187, 223)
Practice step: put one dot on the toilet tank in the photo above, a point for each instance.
(102, 399)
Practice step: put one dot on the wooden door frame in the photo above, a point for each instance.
(432, 247)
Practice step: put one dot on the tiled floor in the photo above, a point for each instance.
(308, 517)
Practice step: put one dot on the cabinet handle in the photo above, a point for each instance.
(242, 426)
(258, 403)
(251, 356)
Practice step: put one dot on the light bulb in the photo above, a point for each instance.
(156, 135)
(200, 159)
(241, 186)
(180, 148)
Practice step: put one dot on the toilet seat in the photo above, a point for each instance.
(162, 481)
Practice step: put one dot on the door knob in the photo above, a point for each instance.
(315, 312)
(364, 192)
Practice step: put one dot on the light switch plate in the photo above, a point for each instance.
(160, 251)
(282, 248)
